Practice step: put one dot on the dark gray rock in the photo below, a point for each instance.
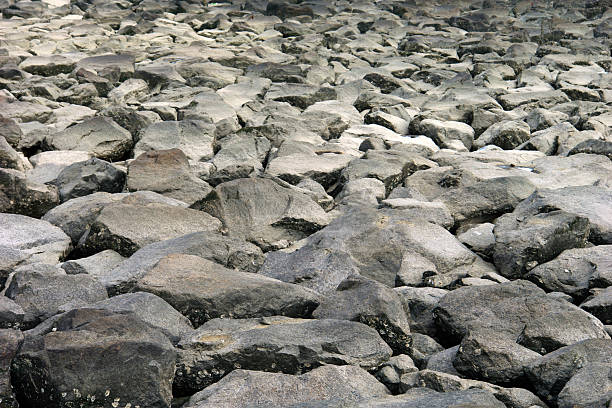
(11, 342)
(152, 310)
(43, 290)
(10, 159)
(19, 195)
(518, 309)
(489, 355)
(551, 372)
(479, 239)
(506, 134)
(523, 241)
(318, 269)
(115, 66)
(591, 386)
(593, 146)
(426, 397)
(600, 305)
(108, 340)
(203, 290)
(592, 202)
(84, 178)
(11, 314)
(273, 344)
(419, 304)
(366, 301)
(575, 271)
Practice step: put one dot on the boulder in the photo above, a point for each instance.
(166, 172)
(42, 290)
(84, 178)
(194, 137)
(263, 212)
(372, 303)
(39, 370)
(600, 305)
(273, 344)
(37, 238)
(100, 136)
(19, 195)
(229, 252)
(203, 290)
(346, 383)
(125, 228)
(11, 342)
(506, 134)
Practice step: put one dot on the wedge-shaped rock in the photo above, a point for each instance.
(273, 344)
(166, 172)
(232, 253)
(203, 290)
(40, 239)
(100, 136)
(111, 358)
(126, 228)
(19, 195)
(551, 373)
(194, 137)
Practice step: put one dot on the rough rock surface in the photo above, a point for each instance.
(280, 194)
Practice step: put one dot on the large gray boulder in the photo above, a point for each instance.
(344, 383)
(273, 344)
(195, 138)
(20, 195)
(372, 303)
(575, 271)
(166, 172)
(39, 371)
(203, 290)
(518, 309)
(84, 178)
(43, 290)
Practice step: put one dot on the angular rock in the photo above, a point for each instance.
(590, 386)
(11, 314)
(490, 356)
(419, 304)
(96, 265)
(518, 309)
(575, 271)
(100, 136)
(444, 133)
(84, 178)
(273, 344)
(19, 195)
(11, 342)
(40, 239)
(126, 228)
(551, 372)
(372, 303)
(324, 169)
(108, 340)
(522, 242)
(203, 290)
(229, 252)
(43, 290)
(600, 305)
(507, 135)
(166, 172)
(593, 146)
(263, 212)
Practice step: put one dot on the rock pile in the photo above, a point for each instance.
(305, 203)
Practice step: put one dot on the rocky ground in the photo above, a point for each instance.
(317, 204)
